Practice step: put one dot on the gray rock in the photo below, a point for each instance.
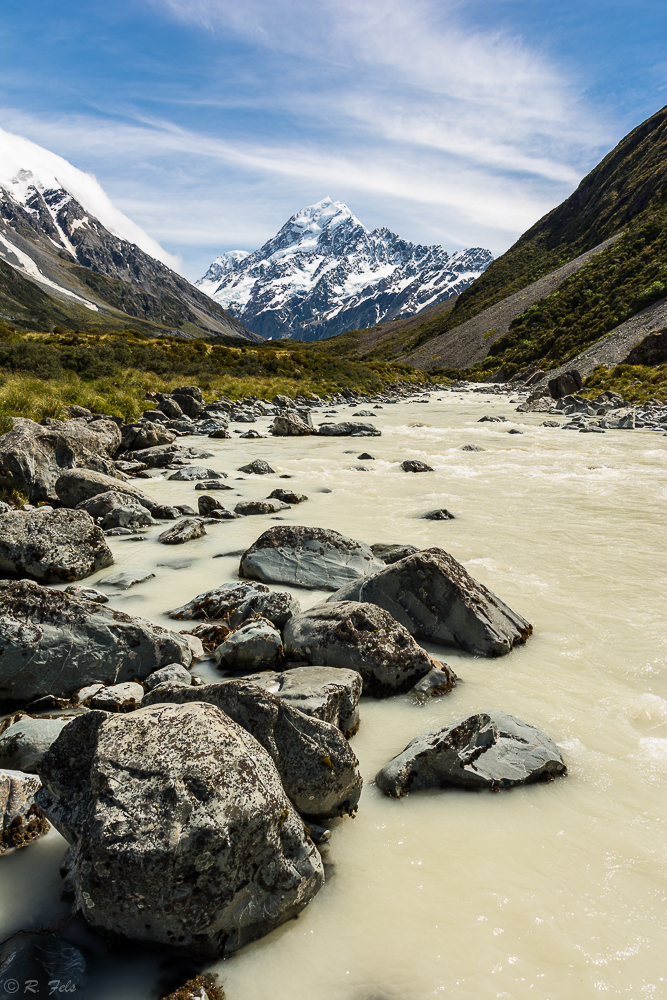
(192, 473)
(119, 697)
(472, 447)
(87, 593)
(145, 434)
(21, 819)
(127, 578)
(213, 484)
(52, 643)
(364, 413)
(327, 693)
(166, 513)
(487, 750)
(173, 673)
(23, 744)
(183, 531)
(221, 431)
(189, 390)
(435, 598)
(84, 694)
(235, 603)
(190, 406)
(206, 505)
(78, 485)
(56, 546)
(359, 637)
(318, 769)
(200, 848)
(486, 419)
(155, 416)
(434, 684)
(287, 496)
(309, 557)
(162, 455)
(391, 552)
(550, 423)
(250, 508)
(42, 964)
(258, 468)
(255, 644)
(565, 384)
(348, 429)
(413, 465)
(170, 408)
(290, 424)
(115, 509)
(32, 457)
(439, 514)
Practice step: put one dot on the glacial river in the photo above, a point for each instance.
(549, 892)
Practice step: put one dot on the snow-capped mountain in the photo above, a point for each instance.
(325, 273)
(66, 263)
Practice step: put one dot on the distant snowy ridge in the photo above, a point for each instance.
(325, 273)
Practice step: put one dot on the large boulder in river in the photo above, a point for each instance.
(78, 485)
(435, 598)
(309, 557)
(145, 434)
(360, 637)
(182, 835)
(54, 643)
(290, 425)
(327, 693)
(254, 645)
(319, 771)
(33, 456)
(235, 603)
(487, 750)
(349, 428)
(117, 510)
(56, 546)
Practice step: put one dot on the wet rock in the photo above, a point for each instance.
(163, 455)
(413, 465)
(435, 598)
(206, 505)
(327, 693)
(434, 684)
(487, 750)
(359, 637)
(87, 593)
(127, 578)
(201, 851)
(486, 419)
(290, 424)
(24, 743)
(202, 987)
(309, 557)
(192, 473)
(255, 644)
(52, 643)
(123, 697)
(173, 673)
(391, 552)
(348, 429)
(183, 531)
(33, 457)
(235, 603)
(514, 430)
(222, 515)
(56, 546)
(166, 513)
(287, 496)
(252, 434)
(213, 484)
(258, 468)
(317, 767)
(550, 423)
(250, 508)
(439, 514)
(21, 819)
(365, 457)
(78, 485)
(41, 963)
(145, 434)
(472, 447)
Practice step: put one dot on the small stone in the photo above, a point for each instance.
(21, 820)
(251, 507)
(166, 513)
(287, 496)
(256, 644)
(439, 514)
(127, 578)
(118, 697)
(175, 673)
(472, 447)
(434, 684)
(183, 531)
(365, 457)
(87, 593)
(213, 484)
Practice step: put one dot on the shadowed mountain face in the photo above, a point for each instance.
(72, 271)
(325, 273)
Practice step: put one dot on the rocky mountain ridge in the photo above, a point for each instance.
(325, 273)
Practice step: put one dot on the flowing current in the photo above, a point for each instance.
(554, 891)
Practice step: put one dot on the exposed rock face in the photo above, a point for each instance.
(391, 552)
(24, 743)
(349, 429)
(56, 546)
(21, 820)
(74, 487)
(309, 557)
(145, 434)
(253, 645)
(565, 384)
(290, 424)
(117, 510)
(196, 848)
(184, 531)
(487, 750)
(435, 598)
(318, 769)
(324, 692)
(32, 456)
(360, 637)
(52, 643)
(234, 603)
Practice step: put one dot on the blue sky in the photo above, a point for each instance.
(210, 122)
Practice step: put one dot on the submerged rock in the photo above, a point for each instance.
(435, 598)
(52, 643)
(21, 819)
(317, 767)
(198, 848)
(309, 557)
(359, 637)
(235, 603)
(487, 750)
(55, 546)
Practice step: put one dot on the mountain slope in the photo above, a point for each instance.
(324, 273)
(86, 274)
